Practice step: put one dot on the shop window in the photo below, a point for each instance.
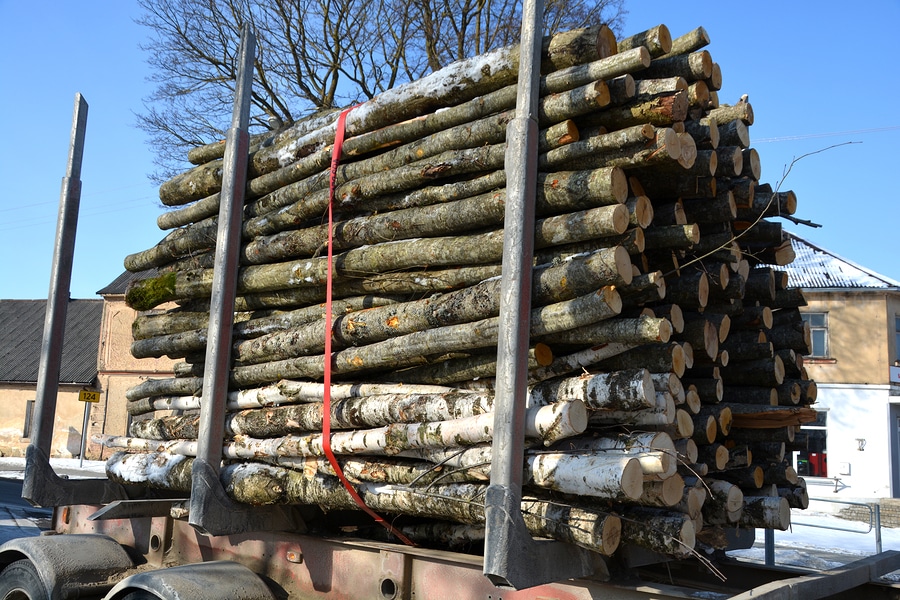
(812, 461)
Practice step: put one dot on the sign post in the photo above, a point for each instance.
(88, 397)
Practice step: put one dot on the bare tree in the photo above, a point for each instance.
(313, 55)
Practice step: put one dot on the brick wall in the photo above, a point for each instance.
(890, 512)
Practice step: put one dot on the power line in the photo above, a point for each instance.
(821, 135)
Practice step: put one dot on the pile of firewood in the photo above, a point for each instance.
(665, 375)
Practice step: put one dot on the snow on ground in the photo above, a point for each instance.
(809, 544)
(13, 467)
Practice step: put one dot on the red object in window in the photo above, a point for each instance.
(818, 464)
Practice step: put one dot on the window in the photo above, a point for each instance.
(812, 461)
(818, 328)
(896, 338)
(29, 416)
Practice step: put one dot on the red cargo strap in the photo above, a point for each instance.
(326, 398)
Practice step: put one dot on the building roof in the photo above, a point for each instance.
(22, 331)
(815, 267)
(120, 284)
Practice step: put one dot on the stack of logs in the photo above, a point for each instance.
(666, 383)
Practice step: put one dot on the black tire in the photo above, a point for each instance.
(140, 595)
(20, 581)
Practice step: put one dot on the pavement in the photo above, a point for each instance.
(17, 517)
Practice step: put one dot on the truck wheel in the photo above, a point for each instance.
(20, 581)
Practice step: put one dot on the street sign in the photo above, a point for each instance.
(89, 396)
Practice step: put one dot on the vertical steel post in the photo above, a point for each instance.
(512, 558)
(228, 244)
(769, 551)
(42, 487)
(877, 515)
(211, 510)
(60, 280)
(224, 286)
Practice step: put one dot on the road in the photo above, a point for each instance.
(17, 517)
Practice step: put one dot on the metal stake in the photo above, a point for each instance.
(60, 280)
(512, 558)
(42, 487)
(211, 510)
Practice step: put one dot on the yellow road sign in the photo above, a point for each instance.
(89, 396)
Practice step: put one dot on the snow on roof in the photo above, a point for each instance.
(815, 267)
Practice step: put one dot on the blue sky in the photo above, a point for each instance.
(818, 75)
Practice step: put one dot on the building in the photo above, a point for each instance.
(96, 356)
(853, 449)
(22, 327)
(117, 369)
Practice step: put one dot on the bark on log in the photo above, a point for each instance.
(693, 67)
(665, 493)
(460, 370)
(549, 423)
(660, 111)
(645, 330)
(766, 512)
(667, 532)
(725, 113)
(689, 42)
(456, 83)
(714, 455)
(656, 358)
(657, 40)
(600, 476)
(622, 390)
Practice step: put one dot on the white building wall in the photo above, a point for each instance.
(855, 412)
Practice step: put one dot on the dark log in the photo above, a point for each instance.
(656, 358)
(730, 163)
(734, 133)
(751, 163)
(663, 531)
(714, 455)
(705, 429)
(753, 317)
(621, 90)
(767, 451)
(690, 290)
(796, 495)
(476, 367)
(766, 512)
(670, 214)
(639, 331)
(711, 210)
(705, 133)
(703, 336)
(752, 395)
(739, 456)
(709, 390)
(767, 372)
